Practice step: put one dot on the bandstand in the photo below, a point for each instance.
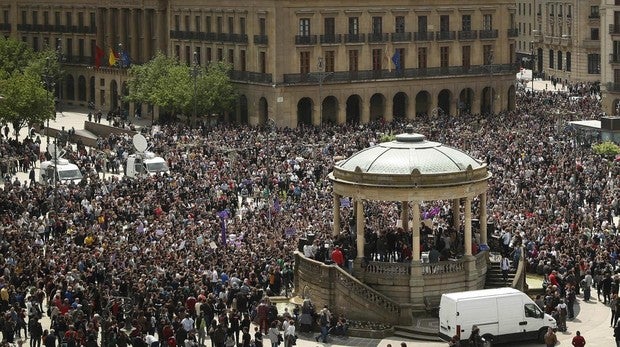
(411, 170)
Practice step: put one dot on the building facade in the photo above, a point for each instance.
(610, 51)
(294, 62)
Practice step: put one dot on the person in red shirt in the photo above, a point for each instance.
(578, 340)
(337, 256)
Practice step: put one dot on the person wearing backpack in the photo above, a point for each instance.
(562, 310)
(324, 317)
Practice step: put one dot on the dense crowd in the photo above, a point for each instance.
(197, 252)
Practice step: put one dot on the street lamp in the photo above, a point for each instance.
(320, 76)
(195, 72)
(48, 82)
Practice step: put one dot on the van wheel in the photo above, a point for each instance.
(488, 340)
(541, 335)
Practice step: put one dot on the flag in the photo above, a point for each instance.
(223, 216)
(125, 59)
(112, 58)
(396, 60)
(99, 54)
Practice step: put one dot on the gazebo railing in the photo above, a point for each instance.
(378, 268)
(443, 267)
(388, 269)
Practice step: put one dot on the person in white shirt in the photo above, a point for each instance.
(188, 324)
(289, 334)
(504, 265)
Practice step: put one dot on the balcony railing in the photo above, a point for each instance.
(239, 38)
(354, 38)
(488, 34)
(331, 39)
(513, 32)
(445, 35)
(614, 29)
(423, 36)
(378, 37)
(464, 35)
(261, 39)
(400, 37)
(594, 16)
(247, 76)
(5, 26)
(305, 39)
(614, 58)
(347, 76)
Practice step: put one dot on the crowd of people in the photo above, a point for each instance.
(196, 252)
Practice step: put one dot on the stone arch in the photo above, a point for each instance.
(263, 111)
(377, 107)
(466, 99)
(422, 102)
(304, 111)
(70, 85)
(91, 88)
(488, 98)
(114, 95)
(330, 110)
(444, 100)
(354, 108)
(243, 109)
(401, 105)
(511, 98)
(81, 88)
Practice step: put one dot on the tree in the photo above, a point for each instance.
(606, 149)
(14, 55)
(25, 101)
(216, 94)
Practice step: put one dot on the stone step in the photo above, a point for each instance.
(416, 333)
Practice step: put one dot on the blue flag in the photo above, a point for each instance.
(396, 59)
(125, 59)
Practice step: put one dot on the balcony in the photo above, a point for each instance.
(400, 37)
(614, 29)
(330, 39)
(305, 40)
(488, 34)
(261, 40)
(423, 36)
(466, 35)
(445, 35)
(24, 27)
(247, 76)
(354, 38)
(594, 16)
(239, 38)
(378, 37)
(222, 37)
(5, 26)
(614, 58)
(592, 44)
(612, 87)
(513, 32)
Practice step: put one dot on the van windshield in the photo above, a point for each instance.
(69, 174)
(157, 167)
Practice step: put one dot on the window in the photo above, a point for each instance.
(594, 63)
(487, 22)
(399, 25)
(93, 20)
(24, 17)
(262, 62)
(594, 13)
(220, 54)
(444, 56)
(444, 23)
(186, 23)
(242, 60)
(46, 18)
(242, 29)
(69, 19)
(81, 49)
(551, 59)
(353, 60)
(219, 24)
(188, 56)
(262, 25)
(466, 22)
(466, 56)
(57, 18)
(568, 61)
(330, 61)
(35, 17)
(377, 25)
(560, 10)
(533, 311)
(422, 58)
(35, 44)
(231, 25)
(329, 26)
(569, 11)
(198, 57)
(208, 24)
(197, 22)
(594, 34)
(177, 22)
(559, 60)
(354, 25)
(304, 27)
(377, 57)
(422, 24)
(304, 62)
(231, 57)
(177, 51)
(400, 63)
(487, 51)
(81, 19)
(209, 55)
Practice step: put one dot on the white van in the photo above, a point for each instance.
(145, 164)
(60, 170)
(502, 314)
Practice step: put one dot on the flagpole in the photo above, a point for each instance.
(120, 80)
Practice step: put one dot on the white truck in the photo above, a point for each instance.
(146, 163)
(502, 314)
(59, 170)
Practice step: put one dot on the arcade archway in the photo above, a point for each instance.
(422, 103)
(330, 110)
(401, 105)
(377, 107)
(263, 111)
(466, 99)
(444, 100)
(304, 111)
(353, 109)
(81, 88)
(243, 110)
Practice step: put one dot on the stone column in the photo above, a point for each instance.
(476, 106)
(483, 218)
(365, 116)
(336, 228)
(389, 109)
(133, 26)
(456, 213)
(415, 247)
(110, 32)
(359, 207)
(468, 226)
(404, 215)
(342, 113)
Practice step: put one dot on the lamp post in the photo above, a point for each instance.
(195, 72)
(59, 53)
(320, 76)
(48, 82)
(489, 66)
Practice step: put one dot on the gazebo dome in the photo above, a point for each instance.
(410, 160)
